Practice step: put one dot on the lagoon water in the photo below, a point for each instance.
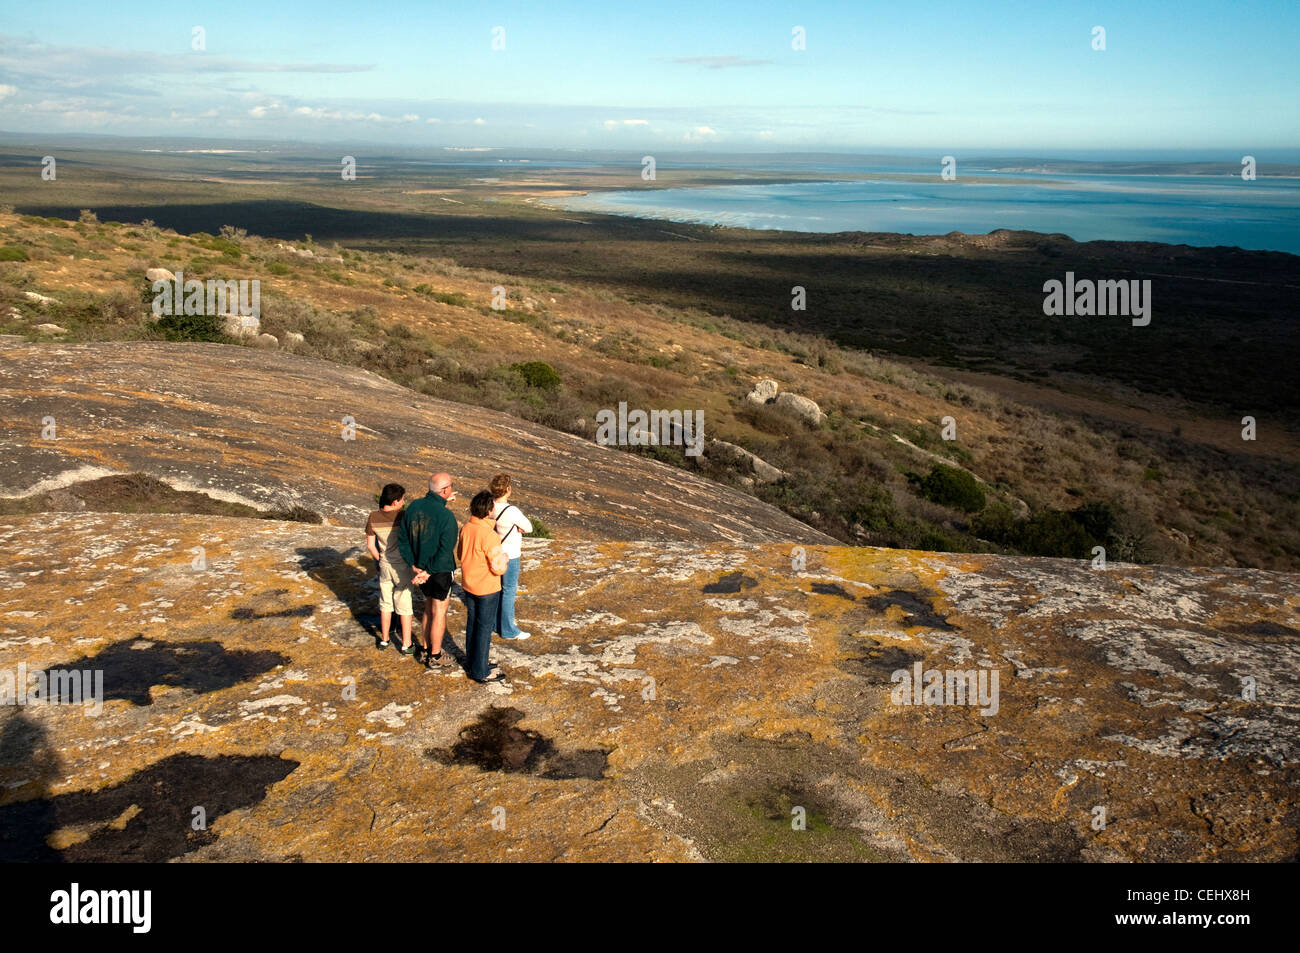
(1185, 209)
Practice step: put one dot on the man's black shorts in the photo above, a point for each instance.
(437, 586)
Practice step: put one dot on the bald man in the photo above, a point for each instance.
(427, 540)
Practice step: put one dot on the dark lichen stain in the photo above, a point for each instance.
(163, 796)
(731, 582)
(298, 612)
(879, 662)
(831, 589)
(1264, 629)
(919, 612)
(494, 743)
(130, 670)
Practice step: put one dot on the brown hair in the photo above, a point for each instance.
(500, 485)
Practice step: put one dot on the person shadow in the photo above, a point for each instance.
(351, 576)
(26, 754)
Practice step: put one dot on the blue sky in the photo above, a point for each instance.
(994, 76)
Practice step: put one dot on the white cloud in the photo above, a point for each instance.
(700, 134)
(477, 122)
(615, 123)
(7, 90)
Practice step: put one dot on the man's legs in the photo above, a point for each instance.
(436, 625)
(426, 624)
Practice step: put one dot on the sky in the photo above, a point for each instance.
(1002, 77)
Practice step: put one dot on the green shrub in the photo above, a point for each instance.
(446, 297)
(12, 253)
(950, 486)
(191, 327)
(1053, 533)
(538, 374)
(540, 530)
(278, 268)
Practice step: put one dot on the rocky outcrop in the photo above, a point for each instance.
(802, 407)
(675, 702)
(159, 274)
(241, 325)
(766, 391)
(270, 428)
(748, 462)
(39, 299)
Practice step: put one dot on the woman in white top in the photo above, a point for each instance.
(512, 524)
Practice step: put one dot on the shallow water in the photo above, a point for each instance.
(1192, 210)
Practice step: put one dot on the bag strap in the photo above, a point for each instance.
(509, 507)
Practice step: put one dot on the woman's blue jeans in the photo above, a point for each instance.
(480, 613)
(506, 623)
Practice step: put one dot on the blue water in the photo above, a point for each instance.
(1191, 210)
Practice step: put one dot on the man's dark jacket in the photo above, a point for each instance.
(427, 534)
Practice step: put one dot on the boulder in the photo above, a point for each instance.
(268, 340)
(293, 337)
(362, 346)
(159, 274)
(38, 298)
(763, 471)
(51, 329)
(240, 325)
(801, 407)
(764, 392)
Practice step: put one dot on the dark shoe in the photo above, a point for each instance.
(382, 644)
(443, 659)
(498, 677)
(408, 650)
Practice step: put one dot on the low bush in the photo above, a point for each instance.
(538, 374)
(951, 486)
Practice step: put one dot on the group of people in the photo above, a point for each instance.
(420, 545)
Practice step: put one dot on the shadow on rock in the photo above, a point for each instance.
(27, 755)
(352, 585)
(494, 743)
(917, 610)
(131, 668)
(158, 813)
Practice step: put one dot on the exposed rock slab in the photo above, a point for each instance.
(267, 428)
(675, 702)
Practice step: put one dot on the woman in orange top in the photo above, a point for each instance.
(482, 562)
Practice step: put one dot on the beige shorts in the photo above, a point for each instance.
(394, 588)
